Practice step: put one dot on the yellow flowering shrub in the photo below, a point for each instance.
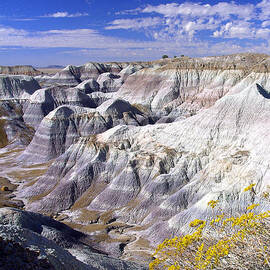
(212, 203)
(248, 188)
(223, 242)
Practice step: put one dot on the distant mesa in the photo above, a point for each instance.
(51, 67)
(20, 70)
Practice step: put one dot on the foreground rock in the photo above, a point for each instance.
(33, 241)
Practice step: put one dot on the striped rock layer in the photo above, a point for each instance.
(161, 140)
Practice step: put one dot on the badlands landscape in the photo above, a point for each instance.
(104, 161)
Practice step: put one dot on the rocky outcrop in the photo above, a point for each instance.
(111, 82)
(74, 75)
(88, 86)
(163, 90)
(33, 241)
(43, 101)
(13, 130)
(66, 124)
(12, 86)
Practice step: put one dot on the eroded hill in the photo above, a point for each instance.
(132, 152)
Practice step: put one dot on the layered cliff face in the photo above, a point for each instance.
(43, 101)
(66, 124)
(12, 86)
(14, 91)
(148, 145)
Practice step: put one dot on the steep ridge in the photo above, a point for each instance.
(66, 124)
(46, 100)
(17, 86)
(187, 85)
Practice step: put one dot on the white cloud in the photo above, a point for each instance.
(238, 30)
(263, 33)
(134, 23)
(129, 11)
(24, 19)
(64, 14)
(266, 23)
(222, 9)
(185, 21)
(187, 28)
(264, 7)
(89, 44)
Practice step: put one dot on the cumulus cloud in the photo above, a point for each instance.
(238, 29)
(264, 7)
(185, 21)
(134, 23)
(222, 9)
(64, 14)
(266, 23)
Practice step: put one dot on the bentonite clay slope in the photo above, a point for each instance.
(17, 86)
(33, 241)
(208, 139)
(43, 101)
(166, 173)
(188, 84)
(66, 124)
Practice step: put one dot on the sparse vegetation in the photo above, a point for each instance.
(165, 56)
(4, 188)
(223, 242)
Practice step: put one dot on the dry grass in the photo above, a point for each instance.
(3, 135)
(89, 195)
(88, 216)
(27, 175)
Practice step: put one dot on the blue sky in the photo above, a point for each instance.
(64, 32)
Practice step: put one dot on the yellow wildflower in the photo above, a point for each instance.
(196, 223)
(252, 206)
(212, 203)
(249, 187)
(265, 195)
